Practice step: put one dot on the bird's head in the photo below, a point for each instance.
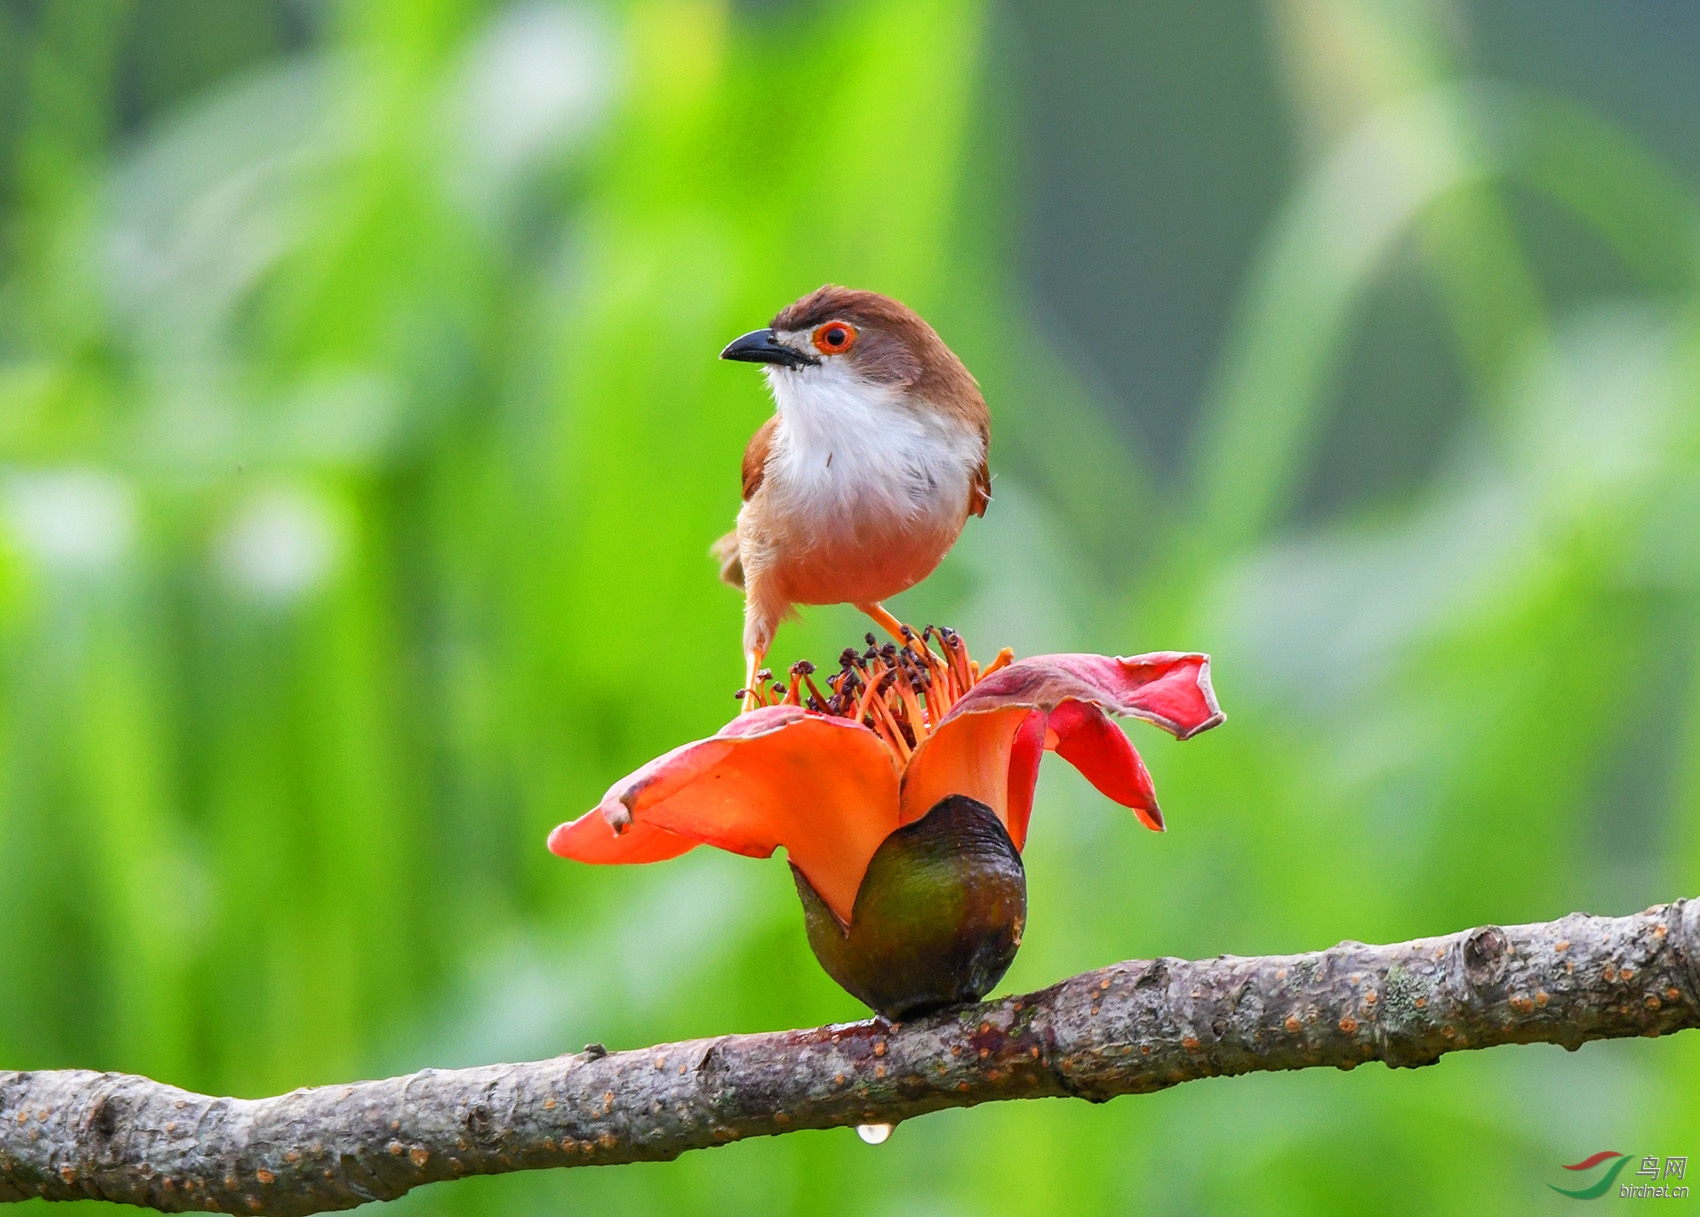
(861, 339)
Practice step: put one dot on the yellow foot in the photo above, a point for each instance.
(893, 626)
(753, 677)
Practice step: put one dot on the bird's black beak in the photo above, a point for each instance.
(763, 346)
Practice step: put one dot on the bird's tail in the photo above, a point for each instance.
(725, 552)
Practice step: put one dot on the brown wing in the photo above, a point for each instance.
(755, 457)
(725, 552)
(980, 490)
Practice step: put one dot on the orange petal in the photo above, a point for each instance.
(824, 788)
(590, 839)
(969, 755)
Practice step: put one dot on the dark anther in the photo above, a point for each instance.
(872, 641)
(803, 671)
(917, 676)
(766, 674)
(741, 694)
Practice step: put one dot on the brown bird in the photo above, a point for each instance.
(862, 480)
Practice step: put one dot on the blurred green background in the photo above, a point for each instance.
(362, 438)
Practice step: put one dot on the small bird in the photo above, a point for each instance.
(863, 479)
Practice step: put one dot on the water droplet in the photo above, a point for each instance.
(873, 1134)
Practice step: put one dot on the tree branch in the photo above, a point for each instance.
(1128, 1029)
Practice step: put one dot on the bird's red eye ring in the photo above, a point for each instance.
(835, 337)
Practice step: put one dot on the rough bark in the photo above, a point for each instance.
(1131, 1028)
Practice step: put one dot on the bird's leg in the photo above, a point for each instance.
(751, 684)
(891, 625)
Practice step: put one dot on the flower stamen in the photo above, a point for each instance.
(1004, 658)
(911, 706)
(900, 693)
(885, 723)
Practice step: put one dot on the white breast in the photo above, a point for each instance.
(854, 456)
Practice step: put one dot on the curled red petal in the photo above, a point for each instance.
(983, 747)
(1024, 756)
(824, 788)
(1088, 740)
(1170, 689)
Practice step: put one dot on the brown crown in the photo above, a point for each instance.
(894, 346)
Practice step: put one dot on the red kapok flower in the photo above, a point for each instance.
(831, 777)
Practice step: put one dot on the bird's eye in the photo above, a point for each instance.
(835, 337)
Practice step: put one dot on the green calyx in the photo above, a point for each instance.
(938, 917)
